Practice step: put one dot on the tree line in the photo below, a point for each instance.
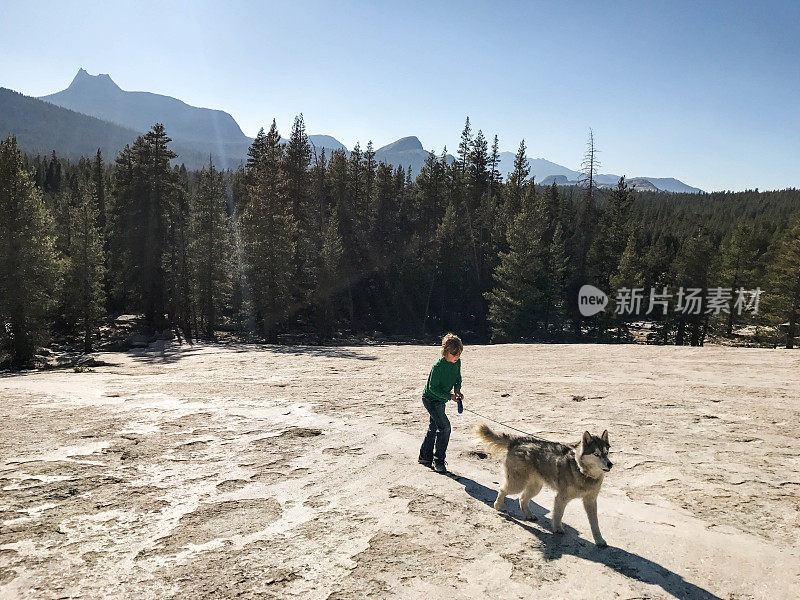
(323, 245)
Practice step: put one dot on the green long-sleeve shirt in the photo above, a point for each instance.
(444, 376)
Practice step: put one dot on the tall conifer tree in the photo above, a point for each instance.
(28, 267)
(269, 234)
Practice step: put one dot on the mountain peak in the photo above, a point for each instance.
(98, 96)
(404, 145)
(98, 82)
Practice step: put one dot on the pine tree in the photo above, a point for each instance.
(370, 173)
(428, 198)
(479, 217)
(341, 189)
(517, 186)
(630, 274)
(177, 261)
(447, 292)
(296, 188)
(495, 177)
(144, 195)
(589, 167)
(583, 233)
(154, 159)
(329, 283)
(782, 300)
(610, 240)
(269, 234)
(124, 230)
(690, 270)
(735, 267)
(355, 214)
(98, 178)
(519, 298)
(464, 147)
(61, 208)
(355, 187)
(382, 246)
(256, 151)
(556, 282)
(28, 264)
(85, 268)
(52, 180)
(296, 162)
(247, 174)
(211, 250)
(611, 237)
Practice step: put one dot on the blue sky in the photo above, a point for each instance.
(707, 92)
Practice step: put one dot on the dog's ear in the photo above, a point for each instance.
(587, 438)
(604, 436)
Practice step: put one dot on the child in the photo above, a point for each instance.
(444, 376)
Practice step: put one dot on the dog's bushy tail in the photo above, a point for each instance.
(494, 442)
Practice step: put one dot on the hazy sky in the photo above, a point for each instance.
(707, 92)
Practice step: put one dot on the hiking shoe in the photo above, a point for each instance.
(427, 463)
(440, 467)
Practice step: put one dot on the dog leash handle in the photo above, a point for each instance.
(460, 406)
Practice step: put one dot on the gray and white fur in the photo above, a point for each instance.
(571, 470)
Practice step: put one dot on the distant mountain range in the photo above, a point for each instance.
(641, 184)
(94, 112)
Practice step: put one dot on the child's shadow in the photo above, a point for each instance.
(554, 546)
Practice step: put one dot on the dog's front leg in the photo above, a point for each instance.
(590, 504)
(558, 512)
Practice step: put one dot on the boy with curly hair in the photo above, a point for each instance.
(445, 376)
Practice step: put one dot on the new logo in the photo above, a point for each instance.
(591, 300)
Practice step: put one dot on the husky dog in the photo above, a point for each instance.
(571, 470)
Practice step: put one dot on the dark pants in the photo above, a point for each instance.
(434, 446)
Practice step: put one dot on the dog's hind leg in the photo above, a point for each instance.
(504, 489)
(513, 483)
(510, 486)
(501, 497)
(534, 487)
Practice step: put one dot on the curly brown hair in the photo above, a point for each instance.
(452, 345)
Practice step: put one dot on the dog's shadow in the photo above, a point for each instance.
(556, 545)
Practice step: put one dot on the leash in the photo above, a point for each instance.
(499, 422)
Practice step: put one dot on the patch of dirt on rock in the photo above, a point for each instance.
(200, 419)
(260, 570)
(389, 561)
(36, 492)
(133, 499)
(431, 506)
(332, 527)
(531, 567)
(289, 435)
(226, 519)
(405, 491)
(344, 451)
(231, 485)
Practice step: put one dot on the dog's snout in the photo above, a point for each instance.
(609, 464)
